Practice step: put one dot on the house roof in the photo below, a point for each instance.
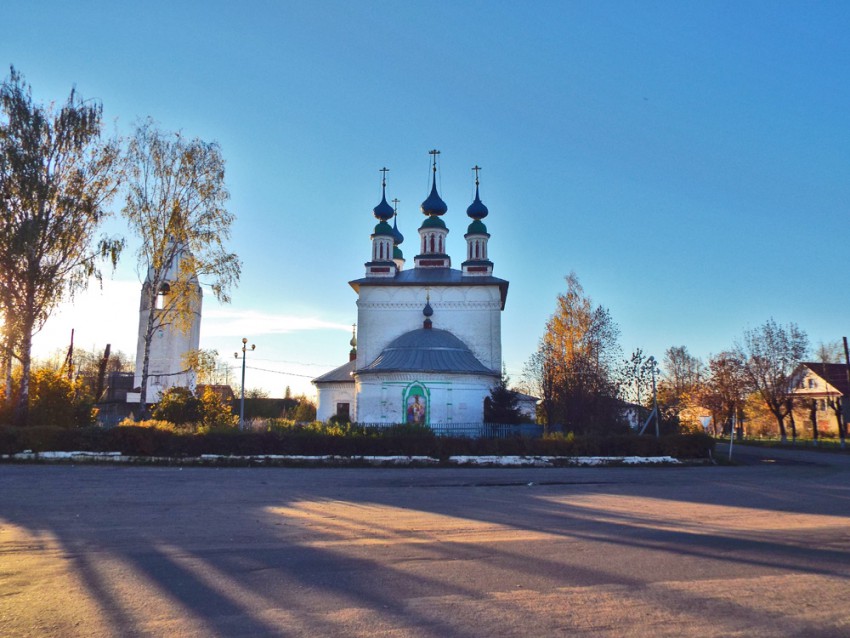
(342, 374)
(432, 277)
(222, 390)
(833, 373)
(427, 350)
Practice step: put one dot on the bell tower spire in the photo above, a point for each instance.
(382, 263)
(477, 263)
(432, 233)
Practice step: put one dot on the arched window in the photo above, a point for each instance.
(432, 243)
(164, 289)
(476, 250)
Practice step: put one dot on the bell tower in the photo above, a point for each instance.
(176, 331)
(382, 263)
(433, 231)
(477, 263)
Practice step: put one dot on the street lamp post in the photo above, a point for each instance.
(242, 401)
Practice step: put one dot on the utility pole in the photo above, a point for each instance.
(242, 402)
(654, 414)
(845, 400)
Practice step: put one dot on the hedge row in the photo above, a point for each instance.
(150, 441)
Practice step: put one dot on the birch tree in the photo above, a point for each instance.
(57, 176)
(575, 364)
(176, 206)
(770, 354)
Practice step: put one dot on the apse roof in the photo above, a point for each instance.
(427, 350)
(338, 375)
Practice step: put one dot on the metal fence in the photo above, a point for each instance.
(476, 430)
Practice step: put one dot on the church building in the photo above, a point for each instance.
(428, 346)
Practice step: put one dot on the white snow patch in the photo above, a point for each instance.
(479, 461)
(504, 461)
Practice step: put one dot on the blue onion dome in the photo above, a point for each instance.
(397, 254)
(477, 209)
(383, 211)
(477, 227)
(428, 311)
(383, 228)
(433, 205)
(398, 238)
(433, 222)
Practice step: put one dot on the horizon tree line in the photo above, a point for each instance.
(585, 385)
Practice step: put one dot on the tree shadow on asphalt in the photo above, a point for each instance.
(310, 549)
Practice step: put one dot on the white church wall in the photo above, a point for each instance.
(450, 398)
(332, 393)
(472, 313)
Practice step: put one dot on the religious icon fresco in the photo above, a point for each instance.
(416, 405)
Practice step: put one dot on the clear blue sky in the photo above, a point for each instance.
(689, 160)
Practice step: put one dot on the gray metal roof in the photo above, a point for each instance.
(427, 350)
(432, 277)
(342, 374)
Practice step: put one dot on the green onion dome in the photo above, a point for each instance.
(433, 222)
(477, 227)
(383, 228)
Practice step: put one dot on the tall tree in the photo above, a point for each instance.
(770, 354)
(830, 352)
(57, 176)
(540, 379)
(502, 406)
(724, 390)
(575, 364)
(636, 382)
(682, 371)
(682, 374)
(176, 206)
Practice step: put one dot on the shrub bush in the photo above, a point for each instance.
(57, 401)
(179, 406)
(158, 438)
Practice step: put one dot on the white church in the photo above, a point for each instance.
(428, 347)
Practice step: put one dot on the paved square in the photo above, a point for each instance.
(755, 550)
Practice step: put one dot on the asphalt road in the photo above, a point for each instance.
(761, 549)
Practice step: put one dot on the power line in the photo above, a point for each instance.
(289, 374)
(297, 363)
